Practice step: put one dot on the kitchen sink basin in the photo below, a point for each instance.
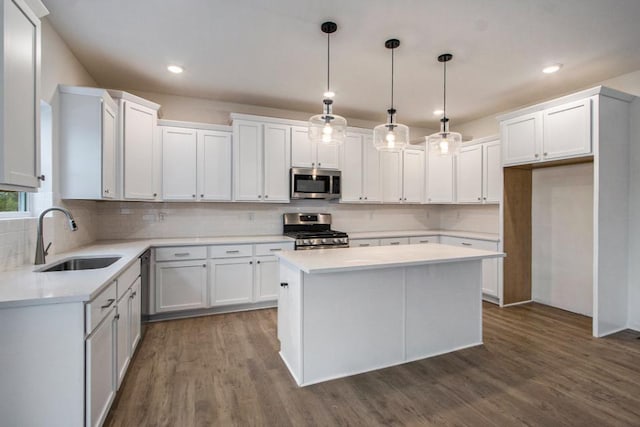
(81, 263)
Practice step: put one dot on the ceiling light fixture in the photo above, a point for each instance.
(551, 68)
(444, 143)
(175, 69)
(328, 128)
(391, 136)
(438, 112)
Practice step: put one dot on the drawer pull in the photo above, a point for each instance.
(364, 245)
(394, 243)
(424, 241)
(233, 252)
(284, 284)
(108, 304)
(275, 249)
(182, 254)
(466, 244)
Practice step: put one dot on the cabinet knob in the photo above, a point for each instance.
(250, 262)
(366, 198)
(360, 198)
(405, 199)
(400, 199)
(204, 265)
(319, 164)
(155, 194)
(479, 198)
(259, 197)
(313, 164)
(193, 195)
(266, 196)
(106, 190)
(257, 262)
(117, 316)
(201, 196)
(544, 154)
(284, 284)
(484, 198)
(537, 155)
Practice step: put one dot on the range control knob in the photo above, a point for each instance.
(324, 240)
(337, 240)
(306, 242)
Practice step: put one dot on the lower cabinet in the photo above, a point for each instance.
(267, 278)
(490, 276)
(181, 285)
(363, 243)
(123, 349)
(100, 353)
(421, 240)
(394, 241)
(231, 281)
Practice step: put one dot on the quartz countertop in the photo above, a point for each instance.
(25, 286)
(410, 233)
(349, 259)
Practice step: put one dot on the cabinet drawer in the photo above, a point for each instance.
(394, 241)
(424, 240)
(180, 253)
(230, 251)
(126, 279)
(363, 243)
(98, 308)
(470, 243)
(271, 248)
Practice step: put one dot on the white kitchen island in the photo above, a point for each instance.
(353, 310)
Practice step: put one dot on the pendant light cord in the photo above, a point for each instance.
(328, 60)
(444, 91)
(392, 78)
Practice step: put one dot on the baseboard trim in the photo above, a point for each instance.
(159, 317)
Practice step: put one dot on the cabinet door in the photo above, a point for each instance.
(100, 375)
(567, 130)
(302, 149)
(521, 139)
(139, 165)
(328, 156)
(423, 240)
(247, 160)
(214, 165)
(231, 281)
(440, 179)
(413, 176)
(267, 278)
(492, 172)
(371, 186)
(277, 162)
(489, 266)
(20, 125)
(135, 315)
(351, 176)
(391, 176)
(469, 175)
(123, 347)
(179, 153)
(109, 132)
(181, 285)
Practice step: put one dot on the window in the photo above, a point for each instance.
(13, 203)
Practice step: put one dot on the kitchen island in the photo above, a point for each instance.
(353, 310)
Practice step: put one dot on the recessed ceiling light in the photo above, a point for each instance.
(551, 68)
(437, 112)
(175, 69)
(329, 94)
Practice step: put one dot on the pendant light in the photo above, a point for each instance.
(444, 143)
(391, 136)
(328, 128)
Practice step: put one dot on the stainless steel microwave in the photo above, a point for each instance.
(307, 183)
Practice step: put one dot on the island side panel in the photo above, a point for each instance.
(353, 322)
(444, 308)
(290, 319)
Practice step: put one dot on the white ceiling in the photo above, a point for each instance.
(272, 53)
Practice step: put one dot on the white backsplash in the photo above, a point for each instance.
(479, 218)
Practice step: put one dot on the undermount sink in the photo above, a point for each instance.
(81, 263)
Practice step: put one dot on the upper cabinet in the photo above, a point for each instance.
(402, 176)
(556, 130)
(20, 104)
(440, 179)
(308, 154)
(88, 149)
(262, 159)
(139, 150)
(196, 161)
(479, 177)
(360, 169)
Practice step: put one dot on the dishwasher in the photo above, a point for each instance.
(145, 265)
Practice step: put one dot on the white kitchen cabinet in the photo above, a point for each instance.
(88, 144)
(360, 170)
(179, 158)
(489, 266)
(363, 243)
(180, 285)
(423, 240)
(413, 176)
(440, 179)
(135, 315)
(214, 165)
(231, 281)
(479, 173)
(309, 154)
(391, 176)
(394, 241)
(267, 278)
(491, 172)
(557, 132)
(123, 342)
(262, 159)
(20, 101)
(139, 149)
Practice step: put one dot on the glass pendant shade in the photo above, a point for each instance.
(327, 128)
(444, 143)
(391, 137)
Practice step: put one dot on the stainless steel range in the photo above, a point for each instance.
(313, 231)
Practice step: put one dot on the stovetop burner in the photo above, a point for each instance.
(313, 231)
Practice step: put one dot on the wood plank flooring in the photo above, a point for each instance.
(538, 366)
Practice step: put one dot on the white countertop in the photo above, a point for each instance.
(349, 259)
(24, 286)
(418, 233)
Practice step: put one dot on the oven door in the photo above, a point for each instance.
(313, 184)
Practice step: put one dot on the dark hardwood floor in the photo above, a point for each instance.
(538, 366)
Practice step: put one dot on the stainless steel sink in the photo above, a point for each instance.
(81, 263)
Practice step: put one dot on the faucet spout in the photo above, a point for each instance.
(41, 251)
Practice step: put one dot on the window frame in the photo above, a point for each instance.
(23, 206)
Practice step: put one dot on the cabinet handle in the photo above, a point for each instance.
(233, 252)
(108, 304)
(364, 245)
(394, 243)
(106, 190)
(424, 241)
(181, 254)
(275, 249)
(41, 177)
(116, 317)
(284, 284)
(466, 244)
